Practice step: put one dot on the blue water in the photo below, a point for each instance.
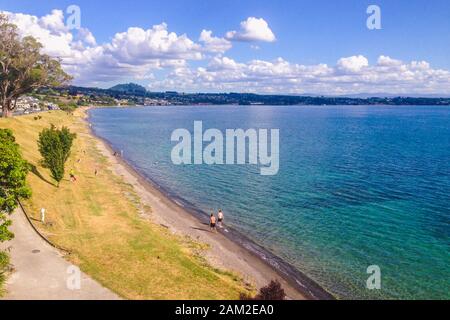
(357, 186)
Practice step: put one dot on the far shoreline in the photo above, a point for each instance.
(260, 264)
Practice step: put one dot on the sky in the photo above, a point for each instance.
(284, 47)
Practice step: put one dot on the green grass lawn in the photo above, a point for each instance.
(97, 219)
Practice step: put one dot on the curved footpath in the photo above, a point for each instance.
(40, 271)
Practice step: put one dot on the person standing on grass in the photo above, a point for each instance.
(212, 222)
(72, 175)
(220, 218)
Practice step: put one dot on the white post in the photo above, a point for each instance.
(42, 215)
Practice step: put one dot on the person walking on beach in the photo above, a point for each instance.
(220, 218)
(212, 222)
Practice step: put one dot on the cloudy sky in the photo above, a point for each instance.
(286, 47)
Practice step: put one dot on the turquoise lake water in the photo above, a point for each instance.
(357, 186)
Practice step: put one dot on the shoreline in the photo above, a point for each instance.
(230, 250)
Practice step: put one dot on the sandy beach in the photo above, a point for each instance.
(227, 249)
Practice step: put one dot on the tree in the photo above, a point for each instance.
(54, 146)
(23, 68)
(13, 172)
(273, 291)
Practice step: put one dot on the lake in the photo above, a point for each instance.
(357, 186)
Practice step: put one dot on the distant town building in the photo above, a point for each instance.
(27, 104)
(52, 106)
(156, 102)
(121, 102)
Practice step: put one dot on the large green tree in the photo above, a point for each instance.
(13, 172)
(22, 66)
(54, 146)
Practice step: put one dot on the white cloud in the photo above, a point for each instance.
(224, 63)
(353, 64)
(137, 45)
(252, 29)
(214, 44)
(49, 30)
(350, 75)
(138, 53)
(133, 53)
(386, 61)
(87, 37)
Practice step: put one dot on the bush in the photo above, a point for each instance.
(13, 172)
(4, 264)
(54, 146)
(68, 107)
(273, 291)
(4, 260)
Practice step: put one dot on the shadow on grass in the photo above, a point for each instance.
(40, 176)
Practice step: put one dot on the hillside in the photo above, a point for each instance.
(135, 94)
(129, 88)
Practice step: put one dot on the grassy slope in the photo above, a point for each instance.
(97, 219)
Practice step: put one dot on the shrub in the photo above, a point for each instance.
(13, 172)
(4, 264)
(273, 291)
(68, 107)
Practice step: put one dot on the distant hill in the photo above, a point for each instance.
(129, 88)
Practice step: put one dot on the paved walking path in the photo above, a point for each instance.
(40, 271)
